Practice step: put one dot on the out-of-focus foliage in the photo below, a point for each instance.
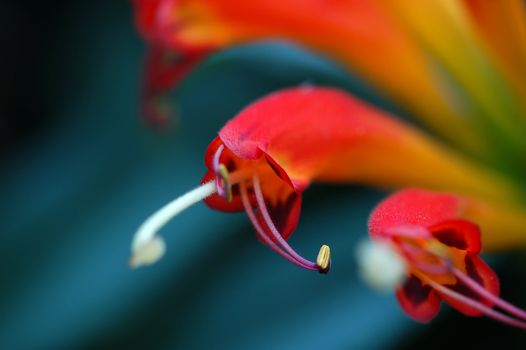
(75, 189)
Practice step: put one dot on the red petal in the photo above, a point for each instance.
(481, 273)
(413, 207)
(211, 151)
(419, 301)
(460, 234)
(282, 201)
(320, 133)
(285, 214)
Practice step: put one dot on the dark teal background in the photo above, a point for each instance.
(80, 171)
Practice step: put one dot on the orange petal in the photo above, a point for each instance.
(450, 37)
(502, 24)
(360, 34)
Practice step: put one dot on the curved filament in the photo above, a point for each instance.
(262, 234)
(274, 231)
(496, 315)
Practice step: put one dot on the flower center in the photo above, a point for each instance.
(270, 236)
(434, 264)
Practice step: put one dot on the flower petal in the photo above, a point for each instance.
(503, 27)
(460, 234)
(481, 273)
(323, 134)
(145, 16)
(503, 224)
(450, 38)
(413, 207)
(285, 213)
(277, 182)
(419, 301)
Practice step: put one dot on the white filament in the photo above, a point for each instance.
(147, 248)
(379, 265)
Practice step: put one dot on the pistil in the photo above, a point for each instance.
(221, 172)
(147, 246)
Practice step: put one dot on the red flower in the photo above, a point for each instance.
(267, 155)
(270, 152)
(440, 251)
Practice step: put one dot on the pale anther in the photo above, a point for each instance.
(324, 259)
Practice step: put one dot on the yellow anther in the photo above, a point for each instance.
(324, 259)
(223, 172)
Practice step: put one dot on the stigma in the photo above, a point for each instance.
(380, 266)
(147, 246)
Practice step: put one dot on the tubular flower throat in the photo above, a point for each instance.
(440, 251)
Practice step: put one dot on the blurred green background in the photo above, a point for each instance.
(81, 170)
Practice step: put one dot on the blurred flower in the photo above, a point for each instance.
(439, 250)
(460, 69)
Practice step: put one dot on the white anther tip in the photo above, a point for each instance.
(380, 266)
(148, 253)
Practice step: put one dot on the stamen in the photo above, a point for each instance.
(224, 188)
(324, 259)
(261, 233)
(477, 288)
(434, 269)
(496, 315)
(472, 284)
(413, 253)
(274, 231)
(145, 239)
(227, 186)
